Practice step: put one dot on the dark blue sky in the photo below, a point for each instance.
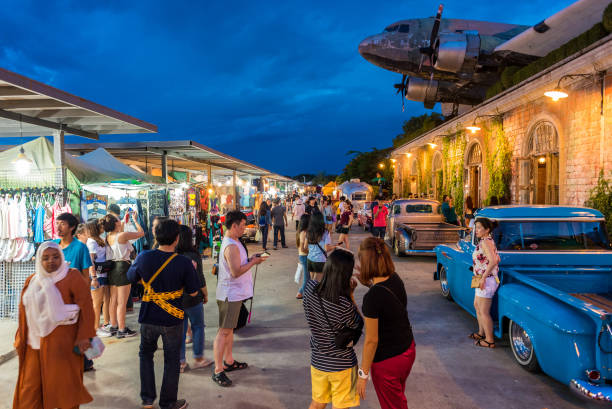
(279, 84)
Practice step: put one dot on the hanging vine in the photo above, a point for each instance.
(498, 160)
(424, 163)
(453, 151)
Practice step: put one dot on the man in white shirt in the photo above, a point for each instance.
(298, 211)
(234, 285)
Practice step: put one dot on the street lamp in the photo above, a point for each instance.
(475, 128)
(381, 165)
(558, 93)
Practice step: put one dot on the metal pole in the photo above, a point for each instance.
(164, 166)
(236, 204)
(59, 158)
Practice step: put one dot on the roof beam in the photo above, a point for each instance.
(32, 104)
(46, 124)
(9, 91)
(65, 113)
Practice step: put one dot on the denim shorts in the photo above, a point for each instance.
(103, 281)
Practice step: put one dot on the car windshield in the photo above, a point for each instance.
(367, 206)
(419, 208)
(392, 28)
(551, 235)
(359, 196)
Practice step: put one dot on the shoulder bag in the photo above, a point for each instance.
(346, 337)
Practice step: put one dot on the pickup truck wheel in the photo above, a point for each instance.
(522, 347)
(444, 288)
(396, 249)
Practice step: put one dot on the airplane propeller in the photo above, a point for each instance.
(429, 51)
(401, 88)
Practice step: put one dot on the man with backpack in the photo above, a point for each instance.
(165, 276)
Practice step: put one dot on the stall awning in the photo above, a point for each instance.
(31, 108)
(95, 169)
(182, 156)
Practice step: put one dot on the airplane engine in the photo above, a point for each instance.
(425, 91)
(457, 52)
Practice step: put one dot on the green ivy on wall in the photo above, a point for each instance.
(424, 163)
(498, 160)
(453, 152)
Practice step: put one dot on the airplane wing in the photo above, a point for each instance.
(556, 30)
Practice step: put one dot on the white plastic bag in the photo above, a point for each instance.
(96, 349)
(258, 235)
(298, 273)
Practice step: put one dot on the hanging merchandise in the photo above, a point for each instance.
(95, 206)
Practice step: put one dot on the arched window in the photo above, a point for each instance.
(475, 155)
(539, 166)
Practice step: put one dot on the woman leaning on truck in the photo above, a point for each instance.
(486, 262)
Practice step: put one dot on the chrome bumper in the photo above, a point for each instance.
(600, 393)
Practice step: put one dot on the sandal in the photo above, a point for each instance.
(236, 366)
(488, 344)
(299, 296)
(221, 379)
(184, 367)
(476, 336)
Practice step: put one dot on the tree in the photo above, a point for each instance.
(365, 165)
(416, 126)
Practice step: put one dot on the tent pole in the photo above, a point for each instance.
(59, 158)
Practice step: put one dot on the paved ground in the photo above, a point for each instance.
(449, 371)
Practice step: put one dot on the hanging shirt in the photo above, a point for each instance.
(39, 224)
(56, 210)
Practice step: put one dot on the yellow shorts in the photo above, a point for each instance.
(339, 388)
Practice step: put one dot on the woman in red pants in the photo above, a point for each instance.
(388, 351)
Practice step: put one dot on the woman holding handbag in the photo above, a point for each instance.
(302, 245)
(485, 281)
(388, 350)
(335, 326)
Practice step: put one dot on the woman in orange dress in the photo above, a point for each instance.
(55, 316)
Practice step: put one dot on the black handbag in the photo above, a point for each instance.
(346, 337)
(243, 317)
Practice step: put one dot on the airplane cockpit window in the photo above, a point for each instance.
(392, 29)
(404, 28)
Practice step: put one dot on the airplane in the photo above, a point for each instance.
(455, 61)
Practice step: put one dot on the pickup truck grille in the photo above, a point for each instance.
(430, 238)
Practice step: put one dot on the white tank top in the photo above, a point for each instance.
(120, 252)
(228, 287)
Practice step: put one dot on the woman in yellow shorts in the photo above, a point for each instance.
(329, 308)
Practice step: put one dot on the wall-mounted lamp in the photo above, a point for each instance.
(557, 93)
(542, 160)
(409, 155)
(393, 160)
(475, 128)
(433, 145)
(381, 165)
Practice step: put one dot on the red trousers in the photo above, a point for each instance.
(389, 379)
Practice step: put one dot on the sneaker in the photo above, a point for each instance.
(147, 405)
(111, 330)
(126, 333)
(103, 332)
(179, 404)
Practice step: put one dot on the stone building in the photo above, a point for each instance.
(530, 149)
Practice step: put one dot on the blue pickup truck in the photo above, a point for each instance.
(554, 302)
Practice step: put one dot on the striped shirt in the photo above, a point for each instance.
(325, 356)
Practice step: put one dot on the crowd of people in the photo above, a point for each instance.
(82, 282)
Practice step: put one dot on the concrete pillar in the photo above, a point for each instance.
(59, 158)
(164, 166)
(235, 190)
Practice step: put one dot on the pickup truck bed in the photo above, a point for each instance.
(603, 301)
(429, 235)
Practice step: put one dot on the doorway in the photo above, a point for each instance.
(539, 167)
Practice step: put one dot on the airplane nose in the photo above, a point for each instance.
(366, 45)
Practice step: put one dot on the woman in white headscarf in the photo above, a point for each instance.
(55, 328)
